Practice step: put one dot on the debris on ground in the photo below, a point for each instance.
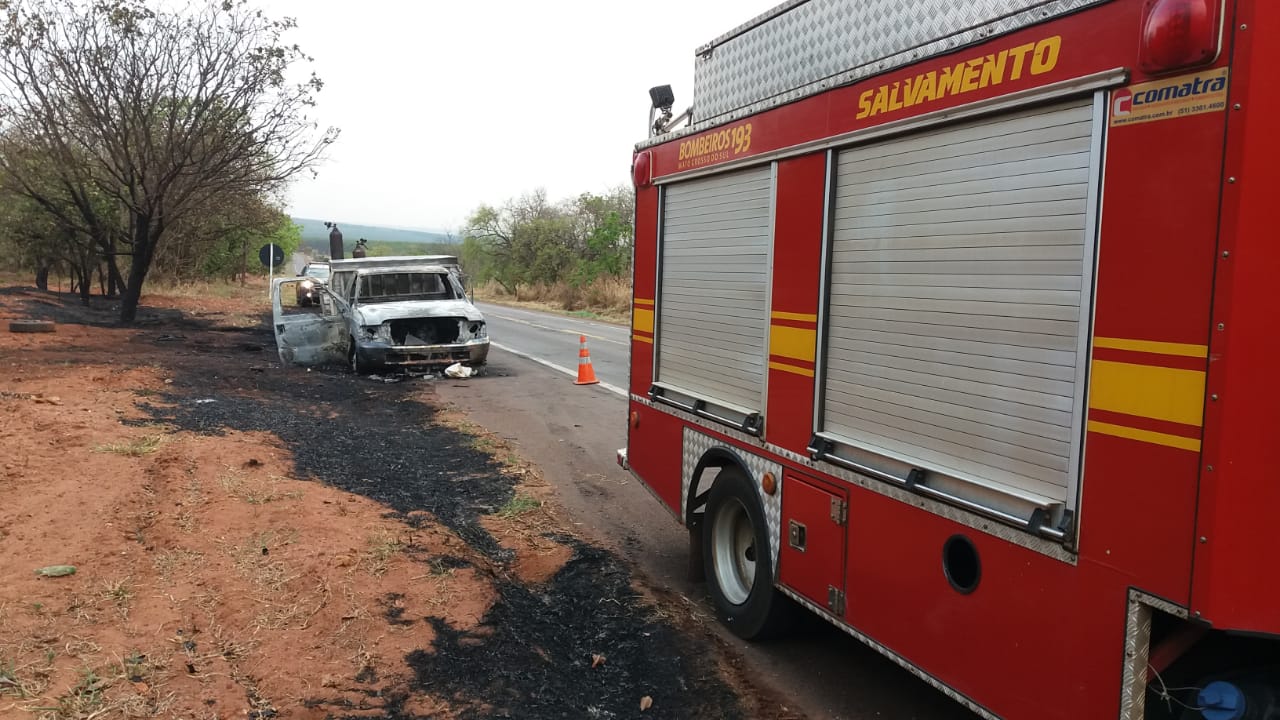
(31, 326)
(458, 370)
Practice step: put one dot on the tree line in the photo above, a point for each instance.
(140, 136)
(531, 241)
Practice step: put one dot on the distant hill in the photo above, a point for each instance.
(315, 234)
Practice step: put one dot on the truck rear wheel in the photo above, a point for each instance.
(739, 567)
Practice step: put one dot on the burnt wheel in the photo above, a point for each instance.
(31, 326)
(739, 567)
(353, 360)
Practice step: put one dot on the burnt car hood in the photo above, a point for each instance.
(376, 314)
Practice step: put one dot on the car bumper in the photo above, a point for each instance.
(380, 354)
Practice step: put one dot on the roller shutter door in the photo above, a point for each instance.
(961, 267)
(712, 302)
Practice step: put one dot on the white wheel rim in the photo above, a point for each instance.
(734, 551)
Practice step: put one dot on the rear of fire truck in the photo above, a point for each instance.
(952, 324)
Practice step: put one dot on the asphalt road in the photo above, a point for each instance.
(572, 432)
(552, 340)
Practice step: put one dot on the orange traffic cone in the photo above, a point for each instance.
(586, 373)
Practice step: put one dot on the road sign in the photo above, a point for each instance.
(271, 255)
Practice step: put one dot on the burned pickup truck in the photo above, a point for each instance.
(385, 312)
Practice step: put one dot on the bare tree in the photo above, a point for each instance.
(163, 111)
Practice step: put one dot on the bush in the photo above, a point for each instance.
(606, 295)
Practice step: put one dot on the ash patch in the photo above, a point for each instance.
(68, 308)
(362, 437)
(532, 656)
(393, 611)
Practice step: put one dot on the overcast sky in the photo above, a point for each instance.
(444, 106)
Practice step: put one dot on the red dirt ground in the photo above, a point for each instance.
(206, 574)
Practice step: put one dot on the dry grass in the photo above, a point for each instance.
(186, 522)
(84, 700)
(254, 289)
(118, 592)
(255, 491)
(29, 680)
(169, 562)
(383, 545)
(136, 447)
(605, 298)
(255, 562)
(10, 682)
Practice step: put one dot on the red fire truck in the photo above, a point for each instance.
(951, 324)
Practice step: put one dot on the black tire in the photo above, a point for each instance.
(31, 326)
(353, 360)
(738, 561)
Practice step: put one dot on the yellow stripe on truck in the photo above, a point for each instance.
(802, 317)
(1148, 391)
(792, 342)
(806, 372)
(1151, 346)
(642, 320)
(1150, 436)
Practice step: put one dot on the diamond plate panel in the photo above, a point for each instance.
(697, 444)
(1137, 650)
(803, 48)
(1137, 644)
(1160, 604)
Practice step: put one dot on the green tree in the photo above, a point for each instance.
(56, 218)
(530, 240)
(606, 232)
(492, 231)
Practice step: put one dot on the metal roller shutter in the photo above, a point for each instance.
(713, 300)
(961, 266)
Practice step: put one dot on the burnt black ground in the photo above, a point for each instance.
(379, 444)
(533, 657)
(587, 608)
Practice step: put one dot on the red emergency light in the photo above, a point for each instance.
(642, 169)
(1179, 34)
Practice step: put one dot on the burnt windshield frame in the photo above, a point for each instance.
(404, 287)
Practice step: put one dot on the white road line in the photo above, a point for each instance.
(603, 326)
(600, 327)
(555, 329)
(571, 373)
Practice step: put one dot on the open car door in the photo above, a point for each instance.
(306, 335)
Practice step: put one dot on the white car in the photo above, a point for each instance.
(375, 313)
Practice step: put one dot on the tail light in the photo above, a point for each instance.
(1178, 34)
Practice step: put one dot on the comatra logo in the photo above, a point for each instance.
(1122, 103)
(1170, 98)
